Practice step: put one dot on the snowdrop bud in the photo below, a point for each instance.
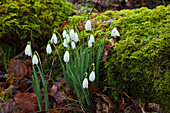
(76, 37)
(35, 60)
(85, 83)
(54, 39)
(72, 34)
(67, 38)
(64, 33)
(115, 32)
(92, 38)
(92, 76)
(73, 45)
(89, 43)
(65, 43)
(48, 49)
(88, 25)
(28, 50)
(66, 57)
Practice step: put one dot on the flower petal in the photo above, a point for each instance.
(89, 43)
(115, 32)
(85, 83)
(28, 50)
(64, 33)
(76, 37)
(54, 39)
(72, 35)
(92, 76)
(35, 60)
(66, 56)
(73, 45)
(92, 38)
(88, 25)
(67, 38)
(48, 49)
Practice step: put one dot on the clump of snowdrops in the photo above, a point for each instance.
(78, 66)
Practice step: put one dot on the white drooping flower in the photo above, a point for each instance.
(85, 83)
(65, 43)
(92, 38)
(35, 60)
(28, 50)
(115, 32)
(48, 49)
(67, 38)
(89, 43)
(92, 76)
(66, 57)
(54, 39)
(73, 45)
(64, 33)
(88, 25)
(72, 34)
(76, 37)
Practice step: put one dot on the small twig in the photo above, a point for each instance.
(164, 2)
(128, 97)
(59, 109)
(51, 68)
(94, 7)
(136, 103)
(52, 65)
(28, 89)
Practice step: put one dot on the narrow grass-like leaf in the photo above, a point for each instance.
(44, 89)
(39, 96)
(98, 62)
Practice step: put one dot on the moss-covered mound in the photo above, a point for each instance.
(139, 62)
(23, 20)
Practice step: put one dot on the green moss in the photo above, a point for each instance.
(139, 62)
(29, 20)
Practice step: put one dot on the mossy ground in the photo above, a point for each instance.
(139, 62)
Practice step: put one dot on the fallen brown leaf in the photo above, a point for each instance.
(20, 68)
(104, 104)
(26, 101)
(8, 106)
(155, 108)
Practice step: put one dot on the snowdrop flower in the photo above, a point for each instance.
(64, 33)
(65, 43)
(72, 34)
(92, 76)
(54, 39)
(48, 49)
(67, 38)
(85, 83)
(66, 56)
(115, 32)
(28, 50)
(76, 37)
(35, 60)
(73, 45)
(89, 43)
(92, 38)
(88, 25)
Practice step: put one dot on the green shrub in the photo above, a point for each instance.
(139, 62)
(23, 20)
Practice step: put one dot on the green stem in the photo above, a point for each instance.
(37, 88)
(64, 71)
(44, 89)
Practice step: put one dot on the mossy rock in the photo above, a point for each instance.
(139, 62)
(30, 20)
